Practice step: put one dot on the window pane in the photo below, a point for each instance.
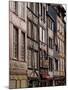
(41, 59)
(29, 29)
(15, 42)
(41, 9)
(31, 6)
(48, 22)
(35, 32)
(29, 58)
(35, 59)
(52, 26)
(16, 7)
(22, 46)
(56, 64)
(36, 8)
(50, 64)
(50, 43)
(44, 14)
(40, 34)
(35, 46)
(43, 36)
(23, 10)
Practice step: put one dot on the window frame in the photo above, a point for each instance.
(14, 37)
(33, 61)
(16, 7)
(42, 58)
(50, 43)
(50, 64)
(56, 64)
(32, 30)
(42, 36)
(29, 64)
(23, 59)
(36, 8)
(51, 23)
(43, 14)
(23, 11)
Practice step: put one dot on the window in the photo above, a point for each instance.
(15, 42)
(29, 62)
(32, 44)
(41, 9)
(50, 24)
(16, 7)
(35, 45)
(56, 64)
(29, 25)
(22, 46)
(32, 30)
(50, 64)
(35, 32)
(23, 10)
(35, 60)
(31, 6)
(44, 14)
(42, 35)
(36, 8)
(50, 43)
(42, 58)
(32, 59)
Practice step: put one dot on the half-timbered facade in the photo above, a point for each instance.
(36, 44)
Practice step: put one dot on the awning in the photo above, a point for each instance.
(46, 76)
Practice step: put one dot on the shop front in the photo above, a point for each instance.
(33, 79)
(46, 80)
(59, 81)
(33, 82)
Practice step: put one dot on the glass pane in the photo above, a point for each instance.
(35, 59)
(16, 7)
(36, 8)
(15, 42)
(52, 26)
(40, 34)
(44, 14)
(29, 29)
(43, 36)
(23, 10)
(35, 31)
(29, 58)
(31, 6)
(22, 46)
(35, 46)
